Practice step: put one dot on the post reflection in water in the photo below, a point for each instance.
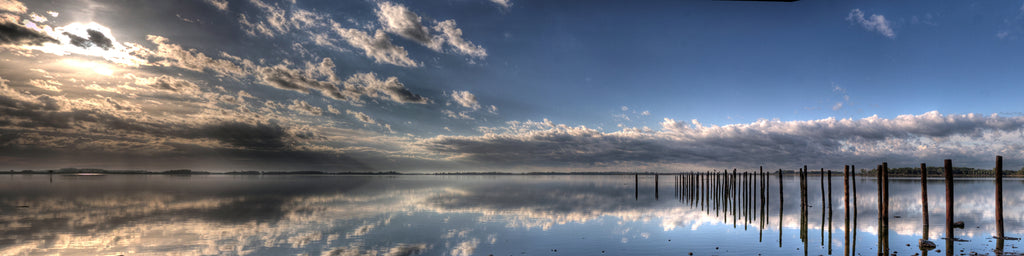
(479, 215)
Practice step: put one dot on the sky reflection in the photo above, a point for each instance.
(457, 215)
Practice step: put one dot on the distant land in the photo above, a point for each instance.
(897, 172)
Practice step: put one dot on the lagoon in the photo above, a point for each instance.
(474, 215)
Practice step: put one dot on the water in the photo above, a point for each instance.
(468, 215)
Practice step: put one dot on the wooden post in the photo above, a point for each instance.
(803, 206)
(829, 174)
(885, 193)
(846, 208)
(853, 174)
(948, 171)
(881, 210)
(821, 175)
(636, 186)
(924, 199)
(782, 207)
(999, 197)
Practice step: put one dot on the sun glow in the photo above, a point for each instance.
(115, 52)
(97, 67)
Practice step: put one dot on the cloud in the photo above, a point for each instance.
(318, 77)
(906, 139)
(378, 47)
(219, 4)
(16, 34)
(466, 99)
(50, 85)
(96, 38)
(362, 117)
(459, 115)
(333, 110)
(12, 6)
(367, 84)
(176, 56)
(837, 106)
(503, 3)
(277, 20)
(453, 36)
(303, 107)
(876, 22)
(398, 19)
(169, 83)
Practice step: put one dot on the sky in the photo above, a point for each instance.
(509, 85)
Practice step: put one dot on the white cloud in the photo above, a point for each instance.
(362, 117)
(219, 4)
(277, 20)
(503, 3)
(876, 22)
(466, 248)
(453, 35)
(466, 99)
(906, 139)
(367, 84)
(398, 19)
(457, 115)
(333, 110)
(837, 106)
(377, 47)
(303, 107)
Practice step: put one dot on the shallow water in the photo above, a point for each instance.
(472, 215)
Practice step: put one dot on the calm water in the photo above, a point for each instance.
(469, 215)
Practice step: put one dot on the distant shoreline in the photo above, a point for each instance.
(898, 172)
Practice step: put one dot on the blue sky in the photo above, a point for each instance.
(508, 85)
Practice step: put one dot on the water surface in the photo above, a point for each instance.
(474, 215)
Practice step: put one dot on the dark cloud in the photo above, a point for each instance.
(78, 41)
(261, 136)
(96, 38)
(11, 33)
(99, 39)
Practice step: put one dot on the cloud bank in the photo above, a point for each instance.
(906, 139)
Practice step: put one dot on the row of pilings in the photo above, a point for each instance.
(746, 197)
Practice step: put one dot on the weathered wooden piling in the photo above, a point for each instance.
(636, 186)
(655, 186)
(999, 197)
(829, 180)
(948, 172)
(782, 207)
(853, 174)
(924, 199)
(846, 208)
(803, 205)
(735, 196)
(885, 194)
(881, 209)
